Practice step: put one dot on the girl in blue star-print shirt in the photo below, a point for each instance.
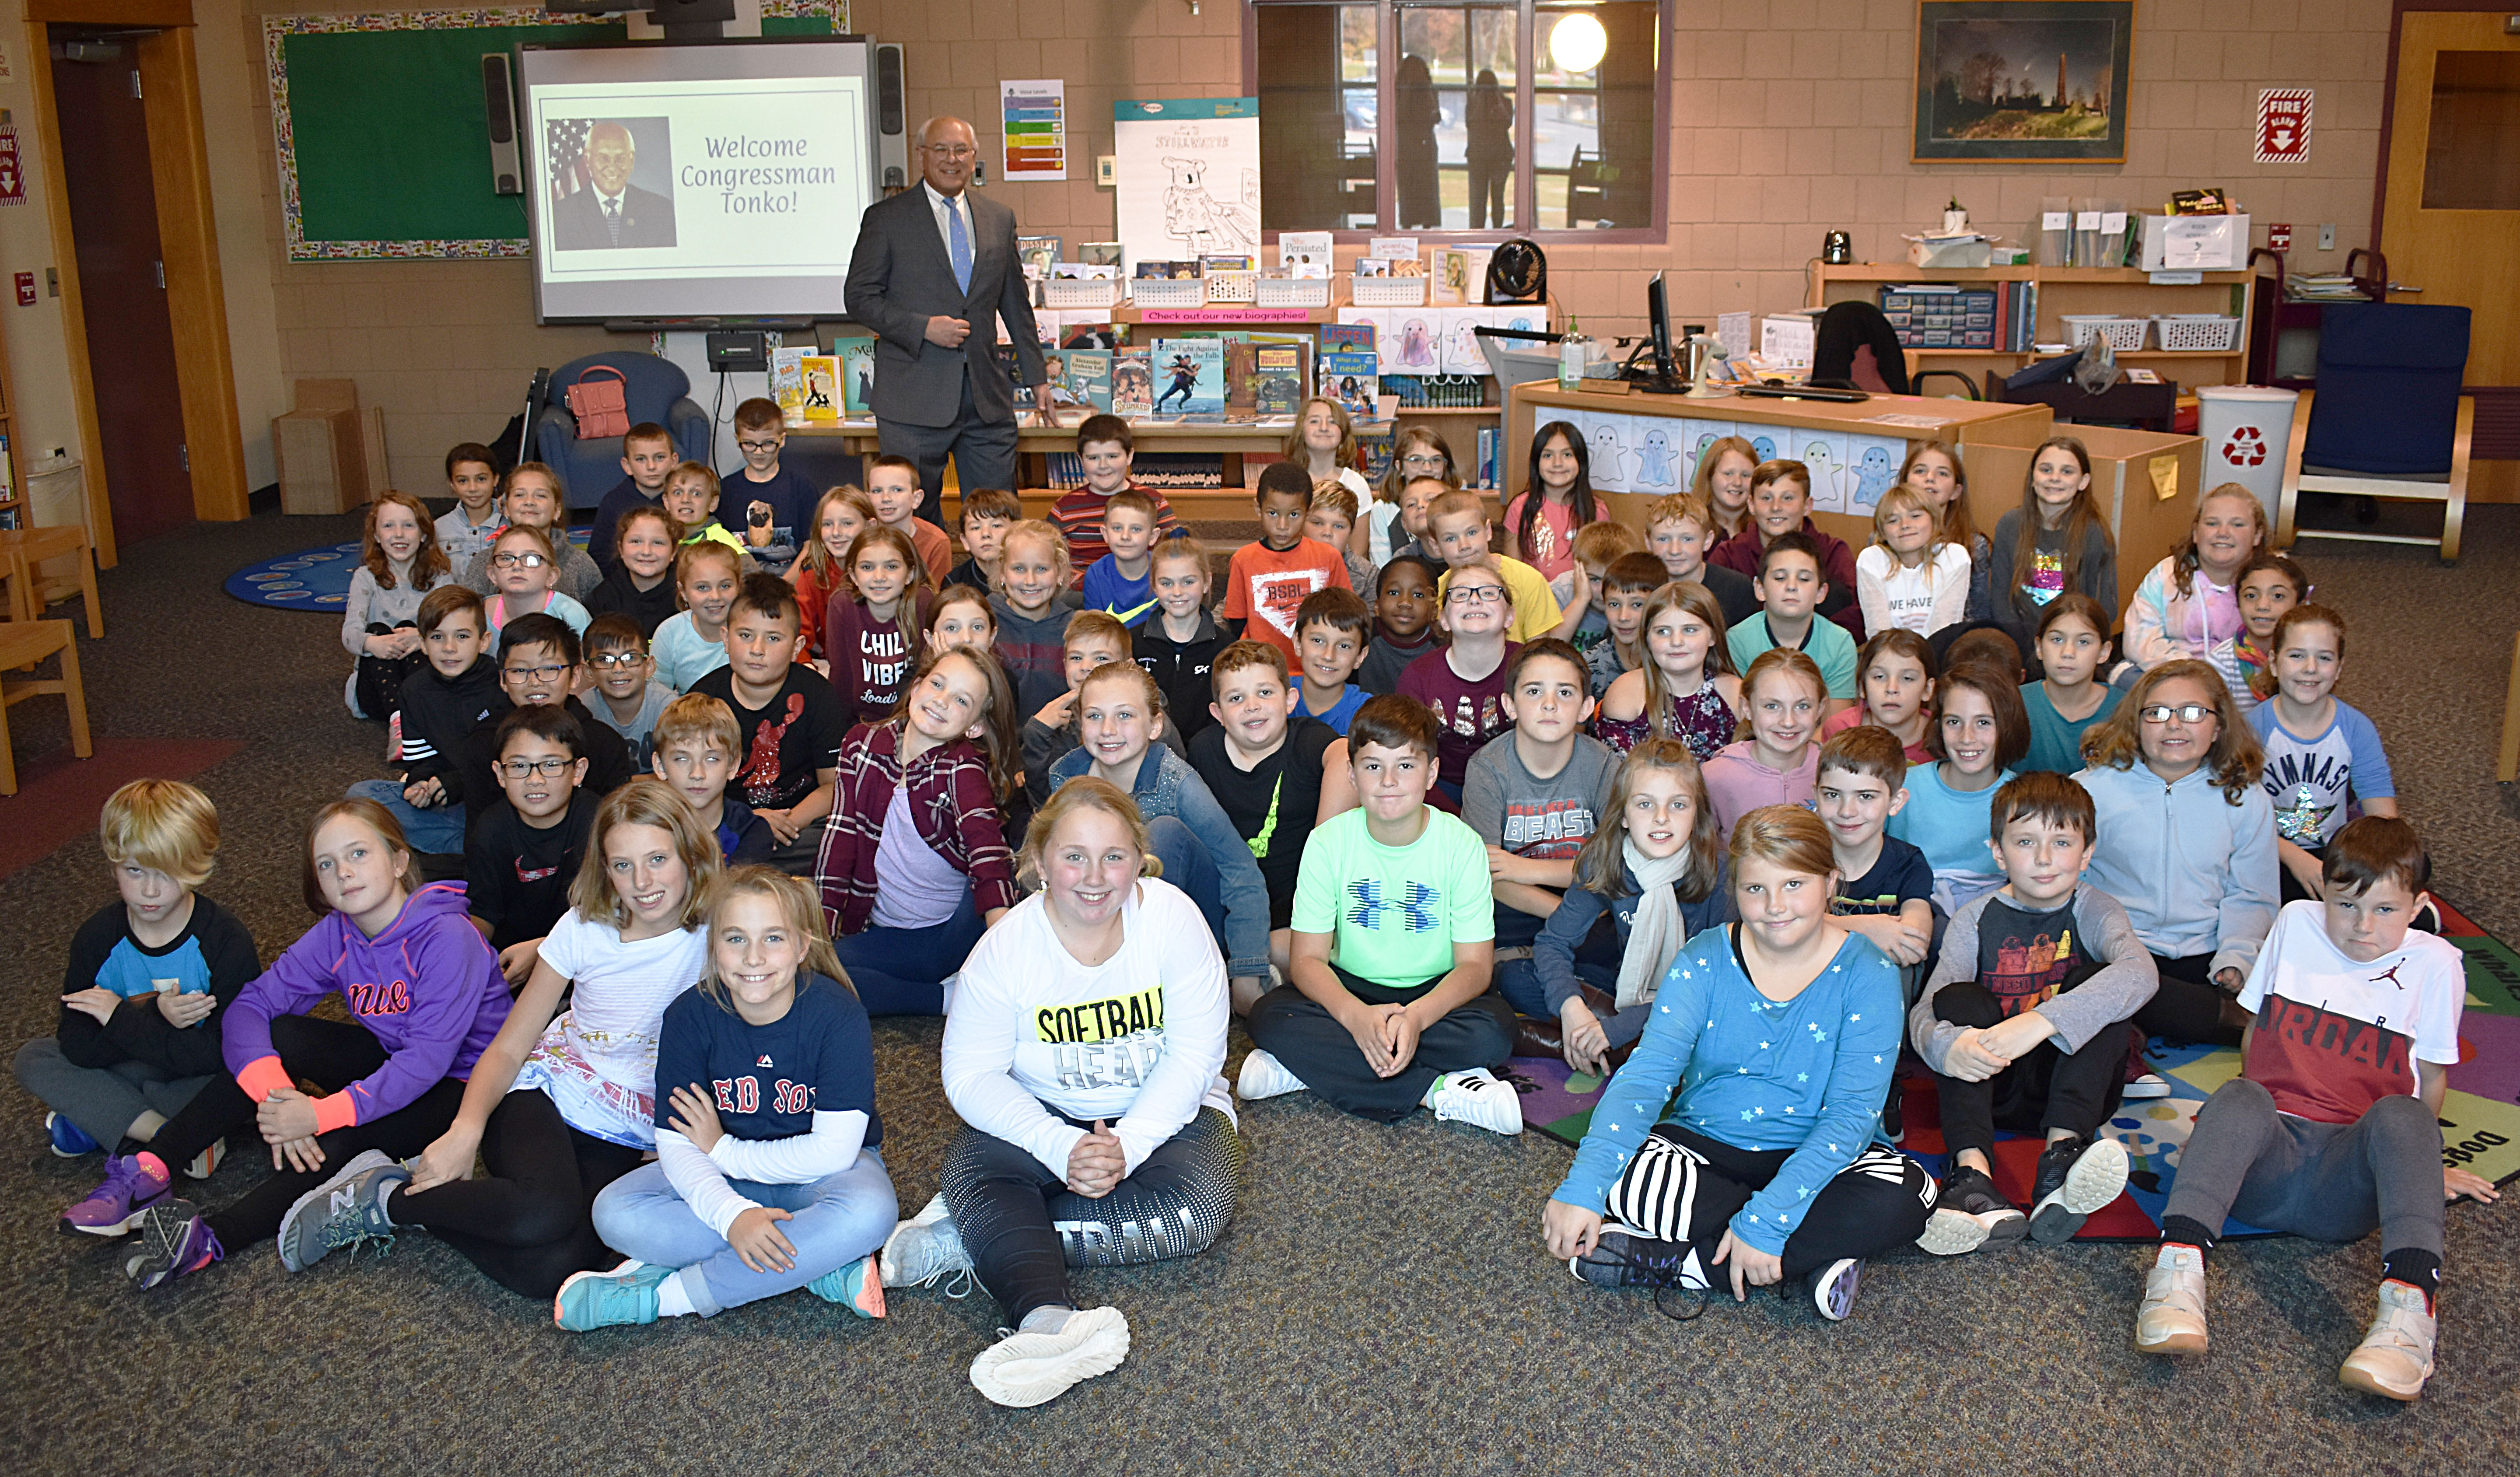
(1779, 1034)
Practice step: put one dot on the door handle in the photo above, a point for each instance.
(2399, 287)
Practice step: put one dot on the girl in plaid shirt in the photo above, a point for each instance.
(915, 863)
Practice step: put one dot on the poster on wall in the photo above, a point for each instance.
(1036, 129)
(1187, 178)
(2284, 125)
(2041, 80)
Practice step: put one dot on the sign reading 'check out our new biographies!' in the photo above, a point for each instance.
(2284, 125)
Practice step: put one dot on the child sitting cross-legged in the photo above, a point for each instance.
(767, 1177)
(442, 704)
(915, 863)
(1535, 793)
(400, 563)
(1654, 867)
(1082, 1057)
(1406, 1017)
(523, 853)
(627, 697)
(2319, 753)
(640, 584)
(1277, 773)
(1898, 668)
(524, 570)
(1331, 628)
(2026, 1022)
(1684, 688)
(2333, 1128)
(1627, 582)
(1741, 1144)
(1404, 622)
(1178, 643)
(697, 745)
(150, 977)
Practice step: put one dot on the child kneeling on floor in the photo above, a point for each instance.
(1405, 1018)
(766, 1177)
(1082, 1055)
(1777, 1034)
(2024, 1022)
(2332, 1130)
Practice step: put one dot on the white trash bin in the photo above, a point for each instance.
(2246, 429)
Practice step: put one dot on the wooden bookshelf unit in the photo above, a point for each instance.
(2127, 292)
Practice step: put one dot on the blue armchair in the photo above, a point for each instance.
(2388, 419)
(656, 389)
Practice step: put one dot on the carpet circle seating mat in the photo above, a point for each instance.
(2480, 1118)
(312, 579)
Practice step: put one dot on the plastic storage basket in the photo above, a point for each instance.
(2125, 334)
(1389, 292)
(2196, 333)
(1080, 293)
(1293, 292)
(1168, 293)
(1231, 286)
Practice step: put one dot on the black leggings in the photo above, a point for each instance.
(331, 1055)
(529, 1223)
(2047, 1088)
(1024, 1228)
(2187, 1009)
(1684, 1187)
(1309, 1042)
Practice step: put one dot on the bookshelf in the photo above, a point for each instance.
(2123, 291)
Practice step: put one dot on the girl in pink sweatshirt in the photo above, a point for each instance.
(1777, 763)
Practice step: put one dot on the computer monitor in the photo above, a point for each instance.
(1665, 379)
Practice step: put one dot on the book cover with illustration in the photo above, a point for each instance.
(1276, 378)
(1188, 377)
(1133, 387)
(1038, 254)
(856, 358)
(1089, 376)
(1240, 392)
(1346, 335)
(1352, 377)
(821, 376)
(788, 380)
(1089, 334)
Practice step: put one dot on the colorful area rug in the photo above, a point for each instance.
(312, 579)
(2480, 1116)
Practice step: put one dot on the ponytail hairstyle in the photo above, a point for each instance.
(798, 908)
(1601, 865)
(1579, 497)
(367, 813)
(1084, 792)
(2079, 519)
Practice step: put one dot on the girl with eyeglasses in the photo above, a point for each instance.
(524, 569)
(1415, 451)
(2186, 841)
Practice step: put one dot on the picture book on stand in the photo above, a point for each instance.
(788, 380)
(857, 376)
(820, 374)
(1133, 389)
(1189, 377)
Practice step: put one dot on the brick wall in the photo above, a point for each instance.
(1789, 118)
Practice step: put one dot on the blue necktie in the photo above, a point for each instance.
(957, 245)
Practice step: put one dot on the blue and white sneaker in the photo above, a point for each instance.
(627, 1294)
(68, 1141)
(347, 1210)
(858, 1287)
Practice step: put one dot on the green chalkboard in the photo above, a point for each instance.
(382, 133)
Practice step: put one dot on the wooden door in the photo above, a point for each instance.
(2451, 223)
(130, 332)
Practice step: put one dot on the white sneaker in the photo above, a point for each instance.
(207, 1163)
(1264, 1076)
(1476, 1096)
(2170, 1319)
(2149, 1085)
(1833, 1288)
(2396, 1357)
(925, 1248)
(1034, 1368)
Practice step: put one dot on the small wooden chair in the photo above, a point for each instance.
(23, 644)
(24, 550)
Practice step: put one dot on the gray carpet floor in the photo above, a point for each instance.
(1381, 1303)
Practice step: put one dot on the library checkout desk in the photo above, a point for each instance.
(2144, 481)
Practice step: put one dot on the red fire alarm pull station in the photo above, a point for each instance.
(25, 290)
(2278, 237)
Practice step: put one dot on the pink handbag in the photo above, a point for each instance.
(602, 408)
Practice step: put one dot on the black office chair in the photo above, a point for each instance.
(1856, 349)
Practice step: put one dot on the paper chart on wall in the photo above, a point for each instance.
(1380, 319)
(1656, 447)
(1187, 178)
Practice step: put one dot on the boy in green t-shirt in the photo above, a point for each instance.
(1405, 1018)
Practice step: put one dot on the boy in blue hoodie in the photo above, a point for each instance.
(424, 997)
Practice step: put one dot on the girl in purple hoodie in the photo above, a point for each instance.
(425, 995)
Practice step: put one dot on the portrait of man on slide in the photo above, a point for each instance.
(608, 210)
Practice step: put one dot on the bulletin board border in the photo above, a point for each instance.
(276, 31)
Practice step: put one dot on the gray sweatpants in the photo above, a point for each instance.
(102, 1100)
(2330, 1181)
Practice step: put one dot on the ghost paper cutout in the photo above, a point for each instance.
(1764, 446)
(1874, 471)
(1417, 346)
(1827, 486)
(1653, 461)
(1608, 471)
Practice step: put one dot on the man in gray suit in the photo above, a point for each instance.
(934, 269)
(611, 212)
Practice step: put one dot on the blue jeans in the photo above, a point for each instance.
(901, 971)
(1188, 866)
(440, 830)
(838, 1219)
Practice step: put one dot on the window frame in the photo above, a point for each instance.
(1525, 192)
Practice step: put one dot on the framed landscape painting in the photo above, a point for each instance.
(2023, 80)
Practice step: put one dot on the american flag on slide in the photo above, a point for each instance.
(565, 147)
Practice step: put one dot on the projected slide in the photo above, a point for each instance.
(692, 181)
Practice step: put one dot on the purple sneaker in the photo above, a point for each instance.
(176, 1238)
(116, 1205)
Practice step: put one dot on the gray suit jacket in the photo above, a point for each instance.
(900, 277)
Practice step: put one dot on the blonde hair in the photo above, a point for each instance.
(1333, 494)
(1776, 659)
(164, 825)
(1296, 450)
(645, 801)
(1682, 508)
(1598, 545)
(817, 556)
(2183, 555)
(1702, 485)
(1084, 792)
(698, 718)
(692, 553)
(701, 470)
(1782, 835)
(1051, 539)
(1182, 544)
(798, 904)
(1903, 497)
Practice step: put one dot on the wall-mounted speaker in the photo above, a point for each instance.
(499, 101)
(892, 119)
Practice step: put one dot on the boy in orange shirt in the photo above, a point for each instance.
(1265, 582)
